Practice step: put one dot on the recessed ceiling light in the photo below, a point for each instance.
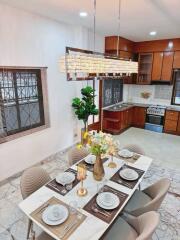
(83, 14)
(153, 33)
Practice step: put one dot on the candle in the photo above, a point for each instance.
(81, 172)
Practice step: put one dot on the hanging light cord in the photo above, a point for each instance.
(94, 30)
(119, 26)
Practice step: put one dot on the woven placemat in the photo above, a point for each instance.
(53, 185)
(105, 215)
(130, 184)
(132, 159)
(59, 230)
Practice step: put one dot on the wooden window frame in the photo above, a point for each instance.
(43, 76)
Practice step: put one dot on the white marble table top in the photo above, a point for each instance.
(92, 228)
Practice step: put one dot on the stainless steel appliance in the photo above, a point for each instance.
(155, 118)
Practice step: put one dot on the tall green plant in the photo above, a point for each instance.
(85, 106)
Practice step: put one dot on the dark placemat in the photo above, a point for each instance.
(53, 185)
(105, 215)
(90, 167)
(130, 184)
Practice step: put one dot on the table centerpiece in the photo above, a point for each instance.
(101, 145)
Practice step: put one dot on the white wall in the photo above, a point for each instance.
(30, 40)
(160, 94)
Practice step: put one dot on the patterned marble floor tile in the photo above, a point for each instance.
(9, 213)
(169, 228)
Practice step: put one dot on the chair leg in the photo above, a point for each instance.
(30, 224)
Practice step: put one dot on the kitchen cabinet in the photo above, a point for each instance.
(176, 63)
(115, 122)
(162, 66)
(157, 66)
(178, 126)
(139, 117)
(145, 68)
(171, 121)
(167, 65)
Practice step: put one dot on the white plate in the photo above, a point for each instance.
(128, 174)
(65, 178)
(90, 159)
(49, 218)
(108, 200)
(125, 153)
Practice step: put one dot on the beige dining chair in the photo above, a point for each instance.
(149, 199)
(75, 154)
(135, 148)
(31, 180)
(134, 228)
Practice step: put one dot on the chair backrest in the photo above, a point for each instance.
(157, 192)
(135, 148)
(147, 224)
(32, 179)
(76, 154)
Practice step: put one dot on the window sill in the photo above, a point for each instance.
(24, 133)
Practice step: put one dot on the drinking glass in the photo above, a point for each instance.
(100, 187)
(73, 205)
(68, 186)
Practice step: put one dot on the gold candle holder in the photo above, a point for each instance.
(112, 164)
(81, 175)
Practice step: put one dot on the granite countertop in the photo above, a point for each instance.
(128, 105)
(125, 106)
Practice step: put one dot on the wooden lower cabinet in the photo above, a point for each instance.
(178, 126)
(172, 122)
(116, 122)
(139, 117)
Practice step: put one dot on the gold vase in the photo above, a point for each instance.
(98, 171)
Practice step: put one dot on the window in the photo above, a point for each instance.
(112, 91)
(176, 89)
(21, 100)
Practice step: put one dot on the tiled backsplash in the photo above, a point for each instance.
(159, 94)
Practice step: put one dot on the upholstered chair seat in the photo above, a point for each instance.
(135, 148)
(44, 236)
(75, 154)
(134, 228)
(138, 200)
(149, 199)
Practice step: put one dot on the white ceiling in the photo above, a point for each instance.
(138, 17)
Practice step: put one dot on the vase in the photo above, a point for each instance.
(98, 171)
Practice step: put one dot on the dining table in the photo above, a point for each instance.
(95, 221)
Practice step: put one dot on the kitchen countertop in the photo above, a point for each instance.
(126, 106)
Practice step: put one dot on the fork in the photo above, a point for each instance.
(68, 227)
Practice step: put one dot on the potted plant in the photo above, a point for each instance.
(85, 106)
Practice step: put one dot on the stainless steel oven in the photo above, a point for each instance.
(155, 118)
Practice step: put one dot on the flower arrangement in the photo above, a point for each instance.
(101, 144)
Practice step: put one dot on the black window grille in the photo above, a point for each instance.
(21, 100)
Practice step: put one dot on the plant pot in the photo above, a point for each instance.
(98, 171)
(84, 140)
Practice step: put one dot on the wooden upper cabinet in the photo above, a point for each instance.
(157, 66)
(176, 63)
(166, 74)
(145, 68)
(124, 44)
